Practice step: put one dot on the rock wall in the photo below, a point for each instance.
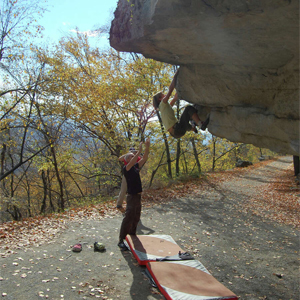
(239, 60)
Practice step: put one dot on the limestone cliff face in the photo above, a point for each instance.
(239, 60)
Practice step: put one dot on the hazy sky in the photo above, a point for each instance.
(65, 15)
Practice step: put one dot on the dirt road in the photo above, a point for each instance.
(254, 257)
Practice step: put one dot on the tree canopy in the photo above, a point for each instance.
(69, 111)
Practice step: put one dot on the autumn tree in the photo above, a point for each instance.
(18, 21)
(109, 94)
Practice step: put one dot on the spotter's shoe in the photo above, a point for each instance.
(122, 246)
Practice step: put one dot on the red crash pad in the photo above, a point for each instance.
(177, 279)
(188, 280)
(150, 247)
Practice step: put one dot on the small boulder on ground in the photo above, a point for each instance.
(243, 163)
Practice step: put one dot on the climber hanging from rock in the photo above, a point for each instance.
(177, 128)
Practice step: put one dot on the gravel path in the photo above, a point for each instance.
(254, 257)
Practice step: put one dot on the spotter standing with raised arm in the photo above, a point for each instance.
(134, 193)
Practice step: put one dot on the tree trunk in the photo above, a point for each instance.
(3, 153)
(81, 192)
(61, 201)
(196, 155)
(15, 211)
(214, 154)
(178, 157)
(167, 146)
(178, 144)
(17, 216)
(185, 164)
(2, 159)
(296, 165)
(28, 200)
(45, 192)
(50, 191)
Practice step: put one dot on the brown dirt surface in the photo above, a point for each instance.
(242, 224)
